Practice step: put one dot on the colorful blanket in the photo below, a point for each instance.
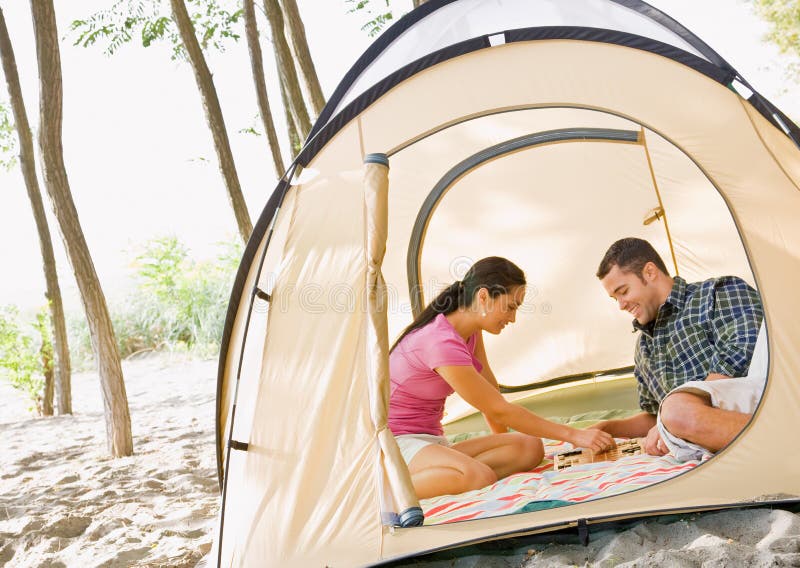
(544, 488)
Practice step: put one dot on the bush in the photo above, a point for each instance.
(179, 304)
(21, 352)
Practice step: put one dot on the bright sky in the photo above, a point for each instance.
(140, 158)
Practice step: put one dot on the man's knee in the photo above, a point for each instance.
(680, 413)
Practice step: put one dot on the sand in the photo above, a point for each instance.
(739, 538)
(64, 502)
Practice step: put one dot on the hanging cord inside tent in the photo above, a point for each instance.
(256, 292)
(660, 203)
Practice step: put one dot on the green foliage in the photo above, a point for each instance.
(784, 19)
(20, 351)
(379, 17)
(8, 138)
(214, 23)
(179, 304)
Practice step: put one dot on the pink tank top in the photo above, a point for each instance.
(417, 393)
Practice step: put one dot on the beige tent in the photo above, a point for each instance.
(538, 130)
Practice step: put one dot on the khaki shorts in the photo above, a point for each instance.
(411, 444)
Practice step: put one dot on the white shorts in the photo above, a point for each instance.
(411, 444)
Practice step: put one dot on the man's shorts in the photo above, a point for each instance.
(411, 444)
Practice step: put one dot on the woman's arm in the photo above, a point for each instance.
(477, 391)
(486, 373)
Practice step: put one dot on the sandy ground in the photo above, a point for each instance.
(65, 503)
(757, 538)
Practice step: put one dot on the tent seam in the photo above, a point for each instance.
(766, 146)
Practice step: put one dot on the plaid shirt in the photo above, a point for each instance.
(703, 327)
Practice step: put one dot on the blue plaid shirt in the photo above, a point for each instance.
(703, 327)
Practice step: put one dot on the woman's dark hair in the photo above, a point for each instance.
(498, 275)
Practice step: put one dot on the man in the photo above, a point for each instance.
(702, 331)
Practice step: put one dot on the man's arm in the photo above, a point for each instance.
(486, 373)
(635, 426)
(716, 377)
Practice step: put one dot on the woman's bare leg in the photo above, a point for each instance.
(472, 464)
(439, 470)
(506, 454)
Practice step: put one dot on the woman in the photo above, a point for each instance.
(442, 352)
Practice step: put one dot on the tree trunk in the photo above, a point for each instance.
(208, 93)
(283, 56)
(257, 66)
(291, 128)
(28, 164)
(46, 354)
(418, 3)
(115, 399)
(297, 33)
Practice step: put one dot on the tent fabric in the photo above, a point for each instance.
(304, 368)
(441, 23)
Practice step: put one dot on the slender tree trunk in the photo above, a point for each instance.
(291, 128)
(208, 93)
(28, 164)
(297, 33)
(283, 56)
(46, 354)
(418, 3)
(115, 399)
(257, 66)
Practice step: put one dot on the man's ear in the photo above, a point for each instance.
(650, 271)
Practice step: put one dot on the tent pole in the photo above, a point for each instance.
(404, 509)
(660, 202)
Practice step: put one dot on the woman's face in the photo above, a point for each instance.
(501, 310)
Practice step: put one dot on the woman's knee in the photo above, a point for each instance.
(529, 451)
(478, 475)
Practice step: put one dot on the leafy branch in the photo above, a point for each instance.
(151, 20)
(380, 16)
(8, 139)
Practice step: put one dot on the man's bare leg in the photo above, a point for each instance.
(691, 417)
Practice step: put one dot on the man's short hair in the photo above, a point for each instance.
(630, 254)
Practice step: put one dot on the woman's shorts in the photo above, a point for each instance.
(411, 444)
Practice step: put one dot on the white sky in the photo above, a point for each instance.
(140, 158)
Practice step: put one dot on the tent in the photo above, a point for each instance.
(538, 130)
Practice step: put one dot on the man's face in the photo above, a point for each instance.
(635, 295)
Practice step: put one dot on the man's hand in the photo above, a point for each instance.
(635, 426)
(653, 445)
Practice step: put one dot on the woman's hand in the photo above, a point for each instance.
(595, 440)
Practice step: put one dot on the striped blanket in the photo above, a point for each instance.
(544, 488)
